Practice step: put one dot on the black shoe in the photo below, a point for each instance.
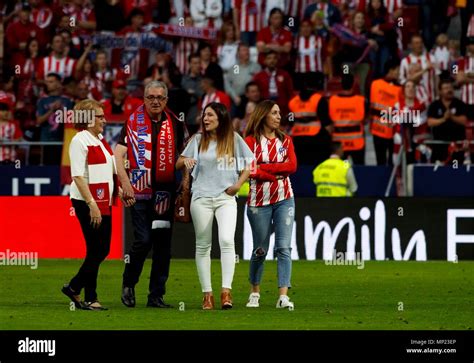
(128, 296)
(157, 302)
(75, 297)
(94, 305)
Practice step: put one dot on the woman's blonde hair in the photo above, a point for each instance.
(257, 120)
(224, 131)
(81, 119)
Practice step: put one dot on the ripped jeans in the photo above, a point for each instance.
(278, 218)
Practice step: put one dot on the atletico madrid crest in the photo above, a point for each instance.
(162, 202)
(100, 193)
(140, 178)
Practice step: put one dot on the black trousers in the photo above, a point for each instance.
(358, 156)
(146, 239)
(383, 150)
(97, 247)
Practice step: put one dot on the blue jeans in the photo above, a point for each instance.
(278, 218)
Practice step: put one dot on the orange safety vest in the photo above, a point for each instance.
(383, 96)
(305, 111)
(347, 115)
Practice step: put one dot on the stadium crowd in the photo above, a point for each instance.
(319, 60)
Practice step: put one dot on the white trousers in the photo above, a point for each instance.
(203, 210)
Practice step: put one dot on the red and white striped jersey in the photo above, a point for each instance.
(393, 5)
(442, 57)
(276, 153)
(216, 96)
(182, 50)
(310, 54)
(9, 131)
(296, 8)
(107, 75)
(251, 14)
(428, 79)
(96, 87)
(42, 17)
(422, 95)
(63, 66)
(466, 65)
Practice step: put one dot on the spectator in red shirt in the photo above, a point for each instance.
(276, 38)
(9, 131)
(42, 15)
(132, 55)
(84, 15)
(6, 90)
(212, 94)
(19, 32)
(275, 83)
(27, 86)
(146, 6)
(57, 62)
(121, 105)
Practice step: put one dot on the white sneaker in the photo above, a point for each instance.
(253, 300)
(284, 302)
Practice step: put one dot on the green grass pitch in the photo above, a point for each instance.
(383, 295)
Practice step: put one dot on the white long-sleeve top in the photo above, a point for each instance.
(206, 13)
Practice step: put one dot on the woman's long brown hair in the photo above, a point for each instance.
(257, 120)
(224, 132)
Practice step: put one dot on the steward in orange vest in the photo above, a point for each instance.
(310, 127)
(384, 94)
(347, 112)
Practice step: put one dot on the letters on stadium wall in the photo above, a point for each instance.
(420, 229)
(29, 180)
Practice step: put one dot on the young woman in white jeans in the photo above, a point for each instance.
(220, 162)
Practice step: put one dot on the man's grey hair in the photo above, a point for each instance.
(156, 84)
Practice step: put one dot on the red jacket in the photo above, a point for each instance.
(284, 86)
(17, 33)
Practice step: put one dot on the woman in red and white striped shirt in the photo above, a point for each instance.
(271, 205)
(310, 48)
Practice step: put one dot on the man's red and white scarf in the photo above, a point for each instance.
(139, 134)
(99, 176)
